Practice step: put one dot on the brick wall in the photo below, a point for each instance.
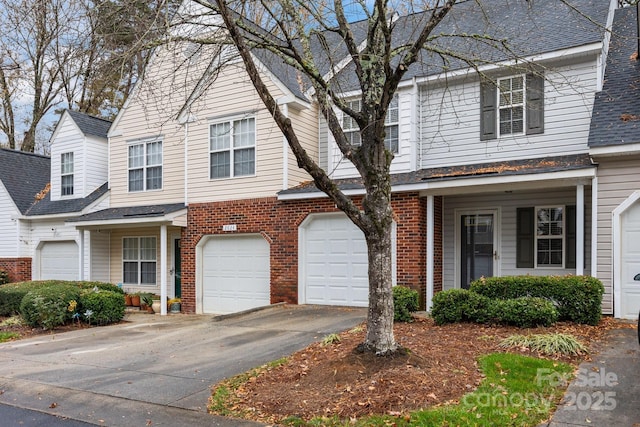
(278, 222)
(19, 269)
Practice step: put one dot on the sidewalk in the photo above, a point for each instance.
(606, 391)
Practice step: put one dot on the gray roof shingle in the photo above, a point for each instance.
(48, 207)
(491, 169)
(130, 212)
(90, 125)
(24, 175)
(508, 29)
(616, 111)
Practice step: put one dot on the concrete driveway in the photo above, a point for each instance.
(155, 370)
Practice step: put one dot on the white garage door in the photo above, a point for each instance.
(630, 274)
(59, 261)
(335, 270)
(235, 273)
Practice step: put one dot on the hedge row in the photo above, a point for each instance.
(11, 294)
(577, 298)
(462, 305)
(49, 304)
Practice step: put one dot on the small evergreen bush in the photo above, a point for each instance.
(405, 302)
(4, 277)
(47, 306)
(525, 312)
(101, 307)
(450, 306)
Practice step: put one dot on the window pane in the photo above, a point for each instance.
(66, 160)
(220, 136)
(136, 156)
(244, 162)
(148, 273)
(353, 137)
(391, 138)
(154, 153)
(130, 248)
(136, 180)
(67, 185)
(220, 165)
(154, 178)
(244, 133)
(130, 272)
(392, 112)
(148, 248)
(517, 83)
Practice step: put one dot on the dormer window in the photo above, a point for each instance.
(66, 174)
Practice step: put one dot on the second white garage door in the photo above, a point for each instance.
(235, 273)
(59, 261)
(630, 257)
(334, 262)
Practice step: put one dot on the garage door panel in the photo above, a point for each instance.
(235, 274)
(630, 263)
(59, 260)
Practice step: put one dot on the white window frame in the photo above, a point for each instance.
(352, 131)
(561, 237)
(66, 172)
(232, 122)
(146, 165)
(138, 259)
(510, 105)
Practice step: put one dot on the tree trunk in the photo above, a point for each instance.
(380, 338)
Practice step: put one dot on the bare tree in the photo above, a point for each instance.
(352, 70)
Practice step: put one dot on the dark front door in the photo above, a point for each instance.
(177, 268)
(476, 256)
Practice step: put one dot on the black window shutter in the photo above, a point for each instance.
(570, 238)
(488, 106)
(525, 238)
(535, 104)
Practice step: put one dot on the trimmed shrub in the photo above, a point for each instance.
(577, 298)
(4, 277)
(405, 302)
(449, 306)
(11, 294)
(48, 306)
(479, 309)
(525, 312)
(101, 307)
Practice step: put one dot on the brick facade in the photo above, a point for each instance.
(278, 222)
(19, 269)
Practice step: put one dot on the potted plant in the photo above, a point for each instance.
(135, 299)
(146, 302)
(174, 305)
(127, 299)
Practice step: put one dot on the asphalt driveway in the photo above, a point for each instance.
(155, 370)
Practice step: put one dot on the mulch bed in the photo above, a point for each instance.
(440, 366)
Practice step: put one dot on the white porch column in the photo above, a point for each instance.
(81, 254)
(594, 226)
(430, 250)
(579, 229)
(163, 270)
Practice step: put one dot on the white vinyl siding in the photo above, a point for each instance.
(90, 162)
(617, 180)
(8, 225)
(507, 204)
(449, 124)
(99, 255)
(305, 124)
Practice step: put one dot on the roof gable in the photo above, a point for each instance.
(616, 112)
(24, 175)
